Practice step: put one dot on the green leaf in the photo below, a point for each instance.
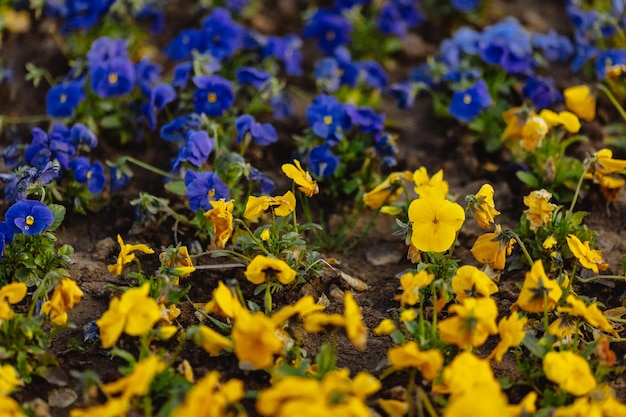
(59, 214)
(176, 187)
(111, 122)
(527, 178)
(534, 346)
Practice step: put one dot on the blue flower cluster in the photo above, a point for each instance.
(29, 217)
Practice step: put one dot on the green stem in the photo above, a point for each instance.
(149, 167)
(257, 241)
(426, 402)
(365, 231)
(220, 266)
(593, 278)
(268, 300)
(613, 100)
(529, 259)
(546, 320)
(410, 390)
(16, 120)
(578, 187)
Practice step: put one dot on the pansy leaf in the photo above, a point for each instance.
(59, 214)
(176, 187)
(528, 179)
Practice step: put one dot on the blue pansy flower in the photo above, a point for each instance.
(252, 76)
(465, 6)
(508, 45)
(196, 149)
(262, 134)
(18, 184)
(322, 162)
(386, 149)
(160, 96)
(213, 95)
(329, 28)
(82, 137)
(396, 17)
(365, 118)
(62, 99)
(372, 74)
(111, 78)
(154, 16)
(555, 47)
(30, 217)
(105, 49)
(266, 185)
(147, 75)
(282, 106)
(287, 50)
(328, 118)
(117, 178)
(48, 147)
(78, 14)
(204, 187)
(176, 130)
(467, 104)
(404, 93)
(348, 4)
(220, 35)
(181, 74)
(610, 57)
(327, 74)
(86, 172)
(541, 92)
(6, 236)
(12, 156)
(183, 44)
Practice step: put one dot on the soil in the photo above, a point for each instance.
(424, 140)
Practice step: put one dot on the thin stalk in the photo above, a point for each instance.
(221, 266)
(426, 402)
(593, 278)
(546, 320)
(365, 231)
(16, 120)
(529, 259)
(578, 187)
(268, 300)
(150, 168)
(257, 241)
(613, 100)
(410, 390)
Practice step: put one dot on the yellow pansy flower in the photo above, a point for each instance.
(537, 287)
(178, 261)
(588, 258)
(9, 379)
(221, 216)
(474, 321)
(435, 222)
(569, 371)
(224, 302)
(212, 341)
(465, 373)
(539, 211)
(306, 184)
(511, 332)
(263, 269)
(408, 314)
(568, 120)
(533, 132)
(386, 326)
(134, 313)
(470, 281)
(127, 255)
(137, 383)
(64, 297)
(393, 408)
(303, 307)
(605, 164)
(254, 340)
(411, 284)
(115, 407)
(282, 205)
(564, 329)
(425, 184)
(484, 401)
(208, 397)
(387, 191)
(493, 248)
(482, 206)
(11, 294)
(428, 362)
(580, 100)
(592, 314)
(355, 327)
